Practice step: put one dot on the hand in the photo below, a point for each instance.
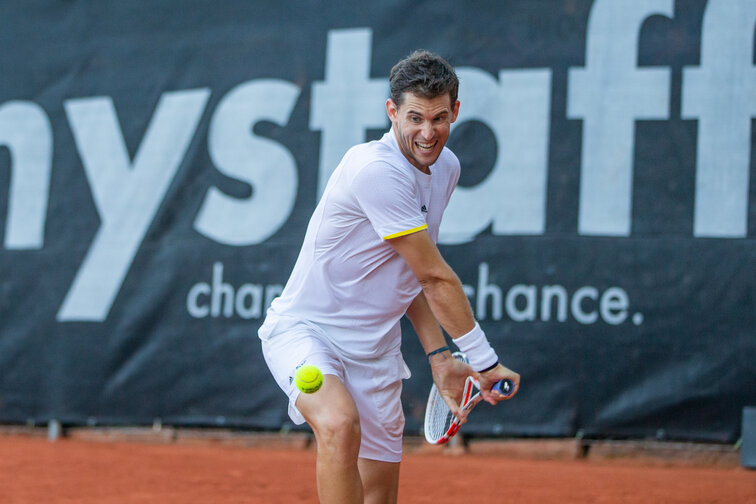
(449, 375)
(489, 379)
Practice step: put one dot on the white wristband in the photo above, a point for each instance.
(477, 348)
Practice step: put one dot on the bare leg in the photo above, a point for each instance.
(380, 481)
(333, 416)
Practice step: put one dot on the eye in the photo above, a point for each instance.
(415, 119)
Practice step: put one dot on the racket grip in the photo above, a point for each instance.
(505, 387)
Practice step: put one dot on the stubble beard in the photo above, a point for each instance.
(408, 153)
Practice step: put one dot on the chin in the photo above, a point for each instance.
(429, 160)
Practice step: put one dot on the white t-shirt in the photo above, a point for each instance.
(348, 279)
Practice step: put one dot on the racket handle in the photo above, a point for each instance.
(505, 387)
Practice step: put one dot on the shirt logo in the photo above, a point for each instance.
(424, 209)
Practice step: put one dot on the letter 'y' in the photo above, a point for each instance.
(127, 195)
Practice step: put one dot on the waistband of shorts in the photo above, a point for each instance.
(275, 322)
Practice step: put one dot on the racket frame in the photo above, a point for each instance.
(469, 401)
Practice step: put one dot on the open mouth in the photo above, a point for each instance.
(425, 147)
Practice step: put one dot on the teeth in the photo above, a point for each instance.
(429, 146)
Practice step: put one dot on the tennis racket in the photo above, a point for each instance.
(440, 423)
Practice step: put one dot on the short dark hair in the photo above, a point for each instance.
(424, 74)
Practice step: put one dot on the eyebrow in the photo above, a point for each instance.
(415, 112)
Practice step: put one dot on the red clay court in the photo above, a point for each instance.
(78, 471)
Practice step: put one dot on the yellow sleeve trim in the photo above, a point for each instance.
(403, 233)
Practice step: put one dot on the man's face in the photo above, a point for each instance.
(422, 126)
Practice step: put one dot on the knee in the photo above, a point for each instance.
(338, 433)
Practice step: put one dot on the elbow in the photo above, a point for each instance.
(431, 281)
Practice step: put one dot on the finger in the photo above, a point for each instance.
(491, 397)
(494, 395)
(460, 414)
(516, 386)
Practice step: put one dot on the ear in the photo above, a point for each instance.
(455, 111)
(391, 110)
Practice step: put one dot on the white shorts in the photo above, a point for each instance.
(375, 384)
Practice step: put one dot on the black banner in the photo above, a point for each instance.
(159, 164)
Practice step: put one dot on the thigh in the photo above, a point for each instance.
(332, 403)
(290, 349)
(380, 481)
(373, 386)
(376, 387)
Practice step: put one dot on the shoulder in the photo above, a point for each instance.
(449, 158)
(375, 159)
(374, 151)
(448, 164)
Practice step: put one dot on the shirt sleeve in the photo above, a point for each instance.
(388, 196)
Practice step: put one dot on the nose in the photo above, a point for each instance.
(427, 131)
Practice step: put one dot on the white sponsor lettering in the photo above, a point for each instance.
(220, 299)
(587, 304)
(609, 94)
(127, 194)
(721, 94)
(265, 165)
(513, 197)
(349, 101)
(26, 131)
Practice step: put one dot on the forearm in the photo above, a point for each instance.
(446, 299)
(447, 372)
(445, 296)
(449, 304)
(425, 324)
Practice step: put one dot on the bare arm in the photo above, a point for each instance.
(441, 286)
(426, 326)
(445, 298)
(448, 373)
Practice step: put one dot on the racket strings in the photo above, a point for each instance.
(439, 418)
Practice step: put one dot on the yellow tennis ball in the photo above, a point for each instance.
(308, 378)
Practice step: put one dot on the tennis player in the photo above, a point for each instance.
(369, 257)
